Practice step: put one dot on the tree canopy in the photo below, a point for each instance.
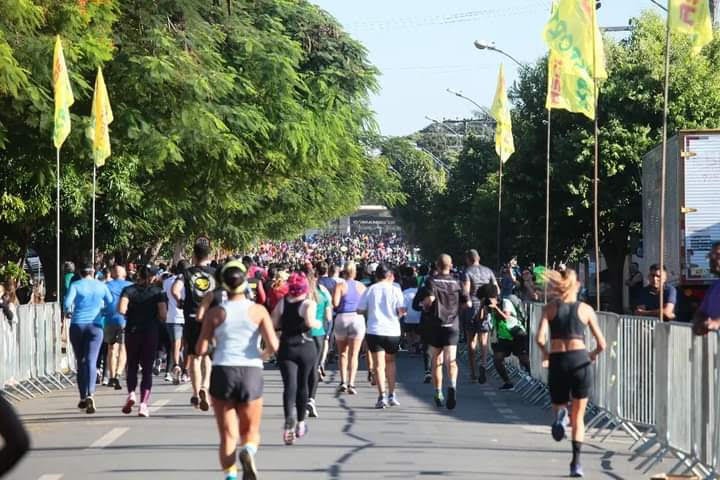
(237, 123)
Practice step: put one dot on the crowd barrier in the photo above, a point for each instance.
(32, 357)
(657, 381)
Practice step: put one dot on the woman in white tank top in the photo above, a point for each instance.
(236, 382)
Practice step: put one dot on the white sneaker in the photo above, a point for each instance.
(144, 410)
(105, 381)
(185, 378)
(176, 373)
(393, 401)
(168, 377)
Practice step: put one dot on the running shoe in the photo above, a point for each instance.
(289, 433)
(507, 387)
(204, 405)
(90, 409)
(342, 388)
(373, 380)
(194, 401)
(82, 404)
(559, 426)
(439, 400)
(168, 377)
(106, 382)
(312, 408)
(185, 378)
(393, 401)
(301, 430)
(129, 403)
(482, 376)
(381, 403)
(576, 470)
(428, 377)
(351, 390)
(451, 398)
(116, 383)
(247, 461)
(144, 411)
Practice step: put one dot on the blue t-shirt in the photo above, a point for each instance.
(86, 298)
(651, 300)
(116, 287)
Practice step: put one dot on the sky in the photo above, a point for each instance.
(423, 47)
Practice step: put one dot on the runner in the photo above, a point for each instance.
(294, 316)
(511, 336)
(474, 277)
(144, 306)
(197, 281)
(383, 303)
(86, 298)
(349, 327)
(175, 320)
(320, 295)
(325, 274)
(445, 295)
(570, 363)
(114, 332)
(236, 383)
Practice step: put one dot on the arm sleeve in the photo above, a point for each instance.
(671, 296)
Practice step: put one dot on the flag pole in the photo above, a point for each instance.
(499, 217)
(663, 166)
(57, 225)
(547, 199)
(92, 242)
(596, 167)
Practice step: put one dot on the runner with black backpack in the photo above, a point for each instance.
(199, 279)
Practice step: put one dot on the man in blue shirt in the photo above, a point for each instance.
(114, 333)
(707, 318)
(649, 298)
(86, 298)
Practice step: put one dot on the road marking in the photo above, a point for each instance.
(109, 437)
(506, 411)
(184, 388)
(51, 476)
(158, 404)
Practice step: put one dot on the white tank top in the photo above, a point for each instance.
(237, 338)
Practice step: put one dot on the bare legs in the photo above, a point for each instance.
(348, 353)
(236, 422)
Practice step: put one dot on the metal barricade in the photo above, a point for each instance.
(636, 370)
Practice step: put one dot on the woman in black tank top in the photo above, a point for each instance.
(571, 372)
(294, 316)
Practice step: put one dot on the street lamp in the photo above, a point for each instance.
(483, 45)
(460, 95)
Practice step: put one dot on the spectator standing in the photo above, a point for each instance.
(649, 300)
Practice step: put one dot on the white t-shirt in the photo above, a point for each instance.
(382, 301)
(412, 317)
(174, 314)
(513, 321)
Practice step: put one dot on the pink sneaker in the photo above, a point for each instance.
(129, 403)
(144, 410)
(301, 430)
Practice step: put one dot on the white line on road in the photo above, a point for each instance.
(506, 411)
(158, 404)
(109, 437)
(184, 388)
(51, 476)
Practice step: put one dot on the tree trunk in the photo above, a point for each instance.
(152, 252)
(178, 250)
(615, 248)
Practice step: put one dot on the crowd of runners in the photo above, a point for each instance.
(220, 324)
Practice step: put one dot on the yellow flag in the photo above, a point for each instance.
(692, 17)
(63, 96)
(577, 58)
(504, 145)
(102, 117)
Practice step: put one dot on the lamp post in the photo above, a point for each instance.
(483, 45)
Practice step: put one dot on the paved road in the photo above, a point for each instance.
(491, 435)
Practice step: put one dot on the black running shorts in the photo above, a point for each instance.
(236, 384)
(381, 343)
(441, 337)
(571, 373)
(191, 335)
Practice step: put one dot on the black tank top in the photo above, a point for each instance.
(567, 324)
(291, 322)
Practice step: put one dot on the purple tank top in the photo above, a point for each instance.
(349, 301)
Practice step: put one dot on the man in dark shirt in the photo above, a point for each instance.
(445, 294)
(649, 298)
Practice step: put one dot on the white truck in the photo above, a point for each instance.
(692, 211)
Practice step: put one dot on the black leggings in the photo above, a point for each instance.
(17, 442)
(296, 357)
(315, 374)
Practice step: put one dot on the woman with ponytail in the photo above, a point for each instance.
(236, 381)
(570, 363)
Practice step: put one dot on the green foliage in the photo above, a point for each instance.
(13, 272)
(238, 126)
